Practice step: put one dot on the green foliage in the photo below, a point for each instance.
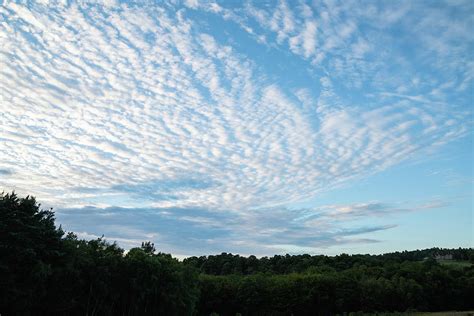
(44, 272)
(455, 263)
(354, 289)
(30, 249)
(157, 284)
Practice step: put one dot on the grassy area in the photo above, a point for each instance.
(455, 263)
(451, 313)
(467, 313)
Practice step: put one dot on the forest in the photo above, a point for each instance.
(46, 271)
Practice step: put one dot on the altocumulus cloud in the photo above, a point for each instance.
(164, 127)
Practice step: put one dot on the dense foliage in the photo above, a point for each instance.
(425, 286)
(44, 271)
(227, 263)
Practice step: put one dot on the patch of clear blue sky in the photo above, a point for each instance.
(443, 180)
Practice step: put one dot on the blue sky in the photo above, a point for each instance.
(248, 127)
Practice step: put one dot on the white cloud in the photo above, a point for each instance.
(140, 106)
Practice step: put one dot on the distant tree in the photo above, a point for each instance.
(148, 247)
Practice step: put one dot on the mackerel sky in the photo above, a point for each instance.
(264, 127)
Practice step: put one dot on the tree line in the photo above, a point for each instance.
(227, 263)
(45, 271)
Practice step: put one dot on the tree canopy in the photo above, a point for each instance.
(44, 271)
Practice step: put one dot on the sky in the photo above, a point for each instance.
(251, 127)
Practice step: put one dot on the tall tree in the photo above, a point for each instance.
(30, 245)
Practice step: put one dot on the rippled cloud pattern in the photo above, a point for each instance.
(213, 116)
